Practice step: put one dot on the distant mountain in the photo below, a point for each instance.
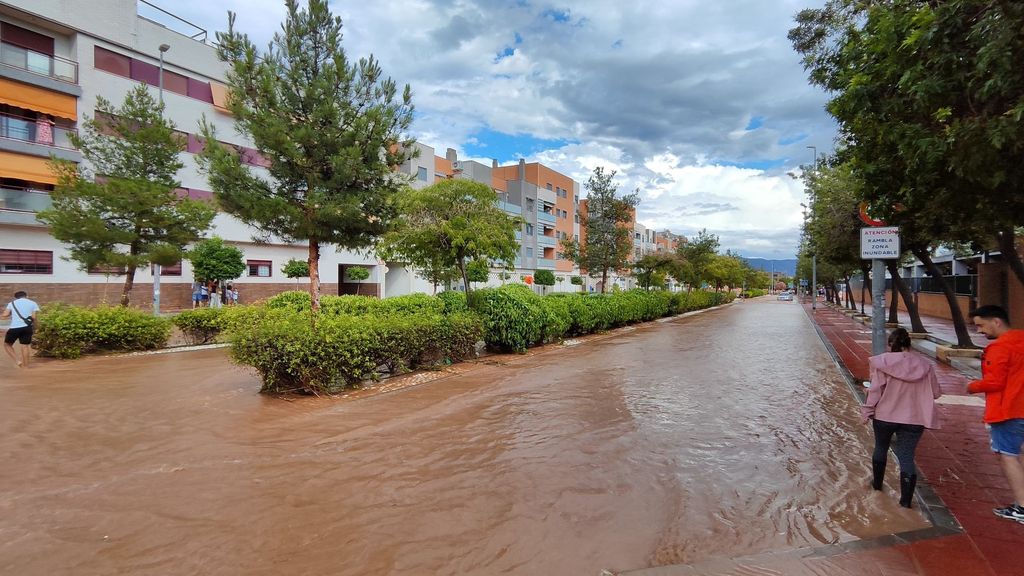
(787, 267)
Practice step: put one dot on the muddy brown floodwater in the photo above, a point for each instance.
(725, 433)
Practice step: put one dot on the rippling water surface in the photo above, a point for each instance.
(722, 434)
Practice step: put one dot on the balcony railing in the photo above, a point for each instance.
(547, 240)
(545, 263)
(546, 217)
(24, 199)
(39, 63)
(510, 208)
(36, 131)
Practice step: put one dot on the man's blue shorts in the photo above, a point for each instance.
(1007, 436)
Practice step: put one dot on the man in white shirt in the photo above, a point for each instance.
(22, 313)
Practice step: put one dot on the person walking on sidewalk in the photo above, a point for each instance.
(22, 313)
(900, 403)
(1002, 381)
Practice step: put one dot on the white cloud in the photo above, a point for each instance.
(662, 92)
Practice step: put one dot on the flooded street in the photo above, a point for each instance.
(726, 433)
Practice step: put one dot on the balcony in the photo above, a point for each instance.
(17, 199)
(546, 217)
(545, 263)
(510, 208)
(52, 67)
(547, 240)
(35, 131)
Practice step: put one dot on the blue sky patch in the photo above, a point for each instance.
(519, 39)
(755, 164)
(556, 15)
(508, 51)
(507, 148)
(755, 123)
(617, 43)
(787, 140)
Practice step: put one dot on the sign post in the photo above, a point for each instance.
(878, 243)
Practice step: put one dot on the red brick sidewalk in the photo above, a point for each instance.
(959, 470)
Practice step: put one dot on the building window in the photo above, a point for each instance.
(421, 174)
(529, 204)
(172, 270)
(112, 62)
(259, 268)
(549, 186)
(529, 252)
(576, 218)
(529, 229)
(26, 262)
(108, 270)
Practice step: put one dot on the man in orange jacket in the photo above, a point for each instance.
(1002, 370)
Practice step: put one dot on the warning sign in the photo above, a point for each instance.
(882, 242)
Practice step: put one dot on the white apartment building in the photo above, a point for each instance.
(56, 58)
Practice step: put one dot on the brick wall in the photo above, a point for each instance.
(172, 296)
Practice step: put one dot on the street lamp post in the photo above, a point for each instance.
(814, 257)
(158, 269)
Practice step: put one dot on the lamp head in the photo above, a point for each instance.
(165, 47)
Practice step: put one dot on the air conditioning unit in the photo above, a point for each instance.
(457, 165)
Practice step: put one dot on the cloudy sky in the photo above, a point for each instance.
(702, 106)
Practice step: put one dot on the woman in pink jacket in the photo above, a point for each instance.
(901, 402)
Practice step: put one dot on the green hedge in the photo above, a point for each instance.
(513, 316)
(290, 355)
(66, 331)
(360, 305)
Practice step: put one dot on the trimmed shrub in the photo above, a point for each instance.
(69, 331)
(556, 319)
(201, 325)
(512, 316)
(454, 301)
(360, 305)
(342, 351)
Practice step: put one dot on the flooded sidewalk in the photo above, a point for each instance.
(725, 434)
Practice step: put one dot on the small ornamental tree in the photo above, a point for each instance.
(449, 224)
(213, 260)
(331, 128)
(356, 273)
(609, 241)
(295, 269)
(577, 281)
(478, 270)
(544, 278)
(120, 208)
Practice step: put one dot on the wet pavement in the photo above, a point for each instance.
(726, 434)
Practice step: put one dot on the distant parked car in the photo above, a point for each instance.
(787, 295)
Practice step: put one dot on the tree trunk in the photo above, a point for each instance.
(894, 303)
(963, 337)
(1008, 248)
(314, 275)
(465, 275)
(850, 303)
(916, 325)
(604, 280)
(129, 282)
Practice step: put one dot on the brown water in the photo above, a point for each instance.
(726, 433)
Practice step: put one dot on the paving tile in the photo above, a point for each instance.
(949, 556)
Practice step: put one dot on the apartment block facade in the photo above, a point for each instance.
(56, 59)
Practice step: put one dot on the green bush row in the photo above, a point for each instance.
(361, 305)
(291, 356)
(66, 331)
(515, 317)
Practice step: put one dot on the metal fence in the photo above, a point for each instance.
(963, 285)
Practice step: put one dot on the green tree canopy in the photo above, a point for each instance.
(296, 269)
(651, 270)
(544, 278)
(609, 240)
(120, 208)
(212, 259)
(478, 270)
(332, 130)
(446, 225)
(698, 253)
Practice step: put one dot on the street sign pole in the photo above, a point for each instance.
(878, 244)
(877, 306)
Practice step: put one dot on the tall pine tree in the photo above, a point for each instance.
(331, 129)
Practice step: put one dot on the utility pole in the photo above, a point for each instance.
(814, 257)
(158, 269)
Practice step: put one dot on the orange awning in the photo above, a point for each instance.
(220, 97)
(39, 99)
(26, 168)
